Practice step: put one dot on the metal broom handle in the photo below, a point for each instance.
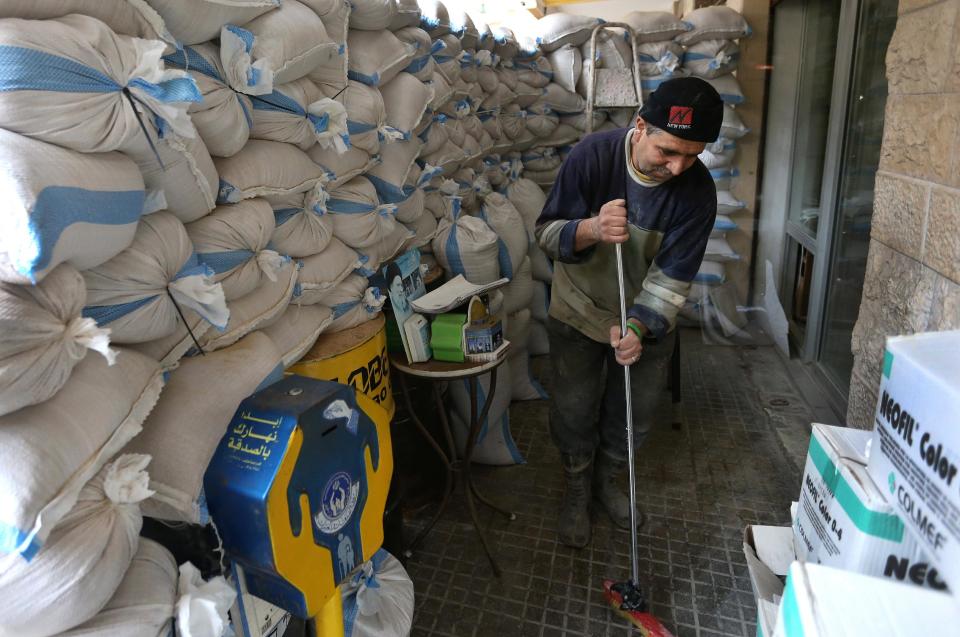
(635, 570)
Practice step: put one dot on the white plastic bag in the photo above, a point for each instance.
(378, 599)
(202, 606)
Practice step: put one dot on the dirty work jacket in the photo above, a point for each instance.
(669, 227)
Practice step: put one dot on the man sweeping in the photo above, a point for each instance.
(643, 188)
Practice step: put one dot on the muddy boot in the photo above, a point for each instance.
(606, 490)
(573, 523)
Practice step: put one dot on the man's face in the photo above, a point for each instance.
(661, 155)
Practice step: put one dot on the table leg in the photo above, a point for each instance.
(448, 467)
(471, 489)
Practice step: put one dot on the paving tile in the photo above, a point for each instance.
(699, 486)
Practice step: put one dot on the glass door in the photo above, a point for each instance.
(859, 157)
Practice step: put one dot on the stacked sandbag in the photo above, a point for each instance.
(192, 415)
(83, 560)
(353, 302)
(659, 53)
(140, 294)
(50, 450)
(43, 337)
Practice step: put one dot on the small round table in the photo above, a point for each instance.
(437, 371)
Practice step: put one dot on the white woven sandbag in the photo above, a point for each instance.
(711, 58)
(184, 172)
(266, 169)
(320, 273)
(718, 157)
(542, 177)
(713, 23)
(727, 203)
(170, 349)
(143, 603)
(301, 224)
(353, 303)
(469, 69)
(421, 64)
(538, 72)
(505, 44)
(255, 310)
(63, 207)
(232, 241)
(43, 336)
(126, 17)
(223, 117)
(538, 343)
(74, 82)
(335, 15)
(378, 599)
(297, 329)
(526, 96)
(718, 249)
(655, 26)
(519, 292)
(728, 88)
(512, 121)
(339, 168)
(361, 222)
(389, 176)
(732, 126)
(495, 444)
(50, 450)
(541, 120)
(190, 418)
(448, 157)
(471, 148)
(561, 135)
(372, 15)
(434, 17)
(446, 55)
(442, 90)
(377, 56)
(298, 113)
(367, 117)
(434, 135)
(567, 63)
(723, 177)
(405, 99)
(466, 245)
(557, 29)
(613, 50)
(540, 158)
(659, 58)
(528, 198)
(423, 230)
(408, 15)
(137, 293)
(84, 559)
(276, 48)
(488, 79)
(579, 120)
(561, 100)
(195, 21)
(503, 218)
(412, 207)
(523, 386)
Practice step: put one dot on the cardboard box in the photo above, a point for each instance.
(819, 601)
(915, 453)
(844, 521)
(769, 552)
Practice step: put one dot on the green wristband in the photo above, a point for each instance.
(636, 329)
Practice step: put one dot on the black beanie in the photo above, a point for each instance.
(686, 107)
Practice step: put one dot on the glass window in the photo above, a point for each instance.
(858, 167)
(821, 20)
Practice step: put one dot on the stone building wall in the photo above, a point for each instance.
(912, 281)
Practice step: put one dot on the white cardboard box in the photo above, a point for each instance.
(819, 601)
(843, 519)
(915, 452)
(769, 552)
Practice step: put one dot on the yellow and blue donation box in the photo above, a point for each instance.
(297, 489)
